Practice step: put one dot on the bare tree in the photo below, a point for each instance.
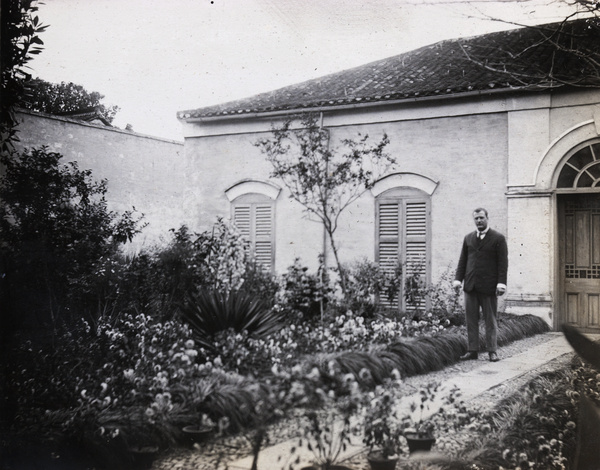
(551, 55)
(324, 181)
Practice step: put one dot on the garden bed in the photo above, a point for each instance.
(219, 451)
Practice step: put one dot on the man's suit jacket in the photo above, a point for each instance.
(483, 263)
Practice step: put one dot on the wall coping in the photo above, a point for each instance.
(95, 126)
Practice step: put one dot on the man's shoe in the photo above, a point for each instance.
(494, 357)
(468, 356)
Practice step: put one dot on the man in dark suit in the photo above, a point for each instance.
(481, 271)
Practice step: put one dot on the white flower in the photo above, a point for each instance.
(104, 386)
(191, 353)
(189, 344)
(314, 374)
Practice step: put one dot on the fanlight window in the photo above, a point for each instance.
(582, 170)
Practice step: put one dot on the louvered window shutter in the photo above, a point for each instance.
(263, 241)
(402, 239)
(255, 223)
(389, 242)
(416, 242)
(242, 219)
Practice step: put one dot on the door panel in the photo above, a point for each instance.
(579, 238)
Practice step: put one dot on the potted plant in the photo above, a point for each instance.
(327, 435)
(381, 430)
(198, 432)
(418, 429)
(329, 402)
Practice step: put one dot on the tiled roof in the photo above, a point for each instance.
(517, 59)
(93, 115)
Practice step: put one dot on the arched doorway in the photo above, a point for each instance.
(577, 184)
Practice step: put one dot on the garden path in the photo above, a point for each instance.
(472, 383)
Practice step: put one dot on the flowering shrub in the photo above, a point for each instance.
(425, 325)
(241, 353)
(329, 400)
(133, 382)
(444, 302)
(155, 280)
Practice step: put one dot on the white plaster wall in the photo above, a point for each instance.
(529, 133)
(531, 249)
(465, 153)
(142, 171)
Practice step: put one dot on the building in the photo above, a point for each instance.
(472, 122)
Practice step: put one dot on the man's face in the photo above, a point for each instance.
(481, 220)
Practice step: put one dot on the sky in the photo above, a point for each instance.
(153, 58)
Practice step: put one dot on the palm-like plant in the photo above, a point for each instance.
(210, 311)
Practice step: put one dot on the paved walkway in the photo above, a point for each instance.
(472, 383)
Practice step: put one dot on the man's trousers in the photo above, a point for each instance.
(489, 307)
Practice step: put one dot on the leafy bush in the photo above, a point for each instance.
(444, 302)
(134, 382)
(156, 279)
(366, 284)
(118, 384)
(304, 292)
(56, 228)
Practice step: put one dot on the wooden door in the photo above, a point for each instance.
(579, 238)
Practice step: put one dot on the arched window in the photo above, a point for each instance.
(402, 221)
(402, 242)
(253, 213)
(582, 169)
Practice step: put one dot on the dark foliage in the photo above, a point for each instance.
(209, 312)
(20, 38)
(61, 98)
(304, 292)
(56, 228)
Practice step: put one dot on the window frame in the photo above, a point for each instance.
(256, 201)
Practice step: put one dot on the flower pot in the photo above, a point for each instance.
(142, 457)
(418, 443)
(195, 434)
(378, 462)
(321, 467)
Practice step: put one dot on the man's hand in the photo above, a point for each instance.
(500, 291)
(457, 285)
